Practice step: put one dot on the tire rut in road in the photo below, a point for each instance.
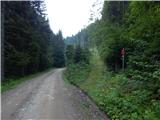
(51, 98)
(14, 99)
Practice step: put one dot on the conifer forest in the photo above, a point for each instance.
(115, 60)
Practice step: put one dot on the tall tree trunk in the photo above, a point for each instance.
(2, 4)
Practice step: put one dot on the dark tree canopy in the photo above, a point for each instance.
(59, 59)
(29, 43)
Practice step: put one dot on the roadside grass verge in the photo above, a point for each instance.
(11, 83)
(119, 97)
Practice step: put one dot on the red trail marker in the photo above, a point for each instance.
(122, 51)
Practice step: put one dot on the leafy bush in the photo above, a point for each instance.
(120, 97)
(77, 73)
(120, 104)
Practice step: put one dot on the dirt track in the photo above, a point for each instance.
(48, 97)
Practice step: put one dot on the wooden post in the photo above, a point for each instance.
(123, 62)
(123, 53)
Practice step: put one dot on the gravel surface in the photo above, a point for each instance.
(48, 97)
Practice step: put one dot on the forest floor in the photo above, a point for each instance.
(48, 97)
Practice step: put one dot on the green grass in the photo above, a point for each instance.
(115, 94)
(11, 83)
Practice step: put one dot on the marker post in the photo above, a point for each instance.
(123, 53)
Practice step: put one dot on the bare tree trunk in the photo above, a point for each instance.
(2, 4)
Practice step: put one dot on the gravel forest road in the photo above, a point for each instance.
(48, 97)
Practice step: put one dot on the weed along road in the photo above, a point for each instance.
(48, 97)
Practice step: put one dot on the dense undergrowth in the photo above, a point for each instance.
(120, 97)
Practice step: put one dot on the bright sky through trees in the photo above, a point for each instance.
(71, 16)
